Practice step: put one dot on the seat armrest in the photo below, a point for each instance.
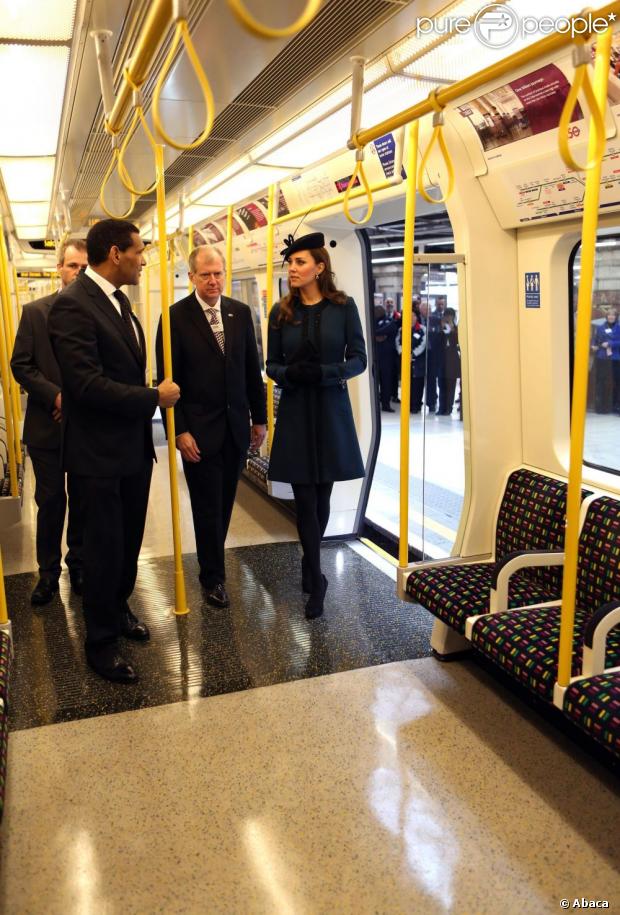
(514, 562)
(595, 637)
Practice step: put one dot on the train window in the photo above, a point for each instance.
(437, 465)
(602, 431)
(246, 290)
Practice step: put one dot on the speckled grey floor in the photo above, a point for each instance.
(413, 788)
(262, 639)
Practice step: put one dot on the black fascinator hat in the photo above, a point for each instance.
(303, 243)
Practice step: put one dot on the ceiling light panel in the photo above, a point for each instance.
(417, 42)
(28, 179)
(30, 214)
(51, 20)
(31, 231)
(315, 143)
(30, 117)
(250, 181)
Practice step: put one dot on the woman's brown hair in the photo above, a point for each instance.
(327, 287)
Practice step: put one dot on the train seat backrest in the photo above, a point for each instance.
(532, 517)
(598, 578)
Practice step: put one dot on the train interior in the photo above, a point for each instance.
(446, 737)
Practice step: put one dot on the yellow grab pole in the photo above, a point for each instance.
(580, 373)
(229, 249)
(147, 322)
(405, 393)
(447, 94)
(171, 270)
(180, 605)
(4, 613)
(268, 304)
(8, 402)
(190, 245)
(17, 409)
(11, 400)
(18, 304)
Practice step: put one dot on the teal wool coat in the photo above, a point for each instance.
(315, 439)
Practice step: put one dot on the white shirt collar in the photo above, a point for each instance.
(203, 304)
(105, 285)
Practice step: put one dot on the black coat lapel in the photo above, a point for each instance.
(105, 305)
(201, 323)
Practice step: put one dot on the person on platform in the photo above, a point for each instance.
(315, 345)
(418, 358)
(107, 440)
(222, 412)
(386, 330)
(606, 347)
(35, 368)
(450, 362)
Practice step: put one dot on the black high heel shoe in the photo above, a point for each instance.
(306, 577)
(314, 607)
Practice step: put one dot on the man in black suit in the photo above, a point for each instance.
(36, 370)
(215, 362)
(107, 440)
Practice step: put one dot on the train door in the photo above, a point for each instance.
(437, 464)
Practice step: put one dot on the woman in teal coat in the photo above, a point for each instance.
(315, 344)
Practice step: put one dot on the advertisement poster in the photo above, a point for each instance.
(252, 216)
(523, 108)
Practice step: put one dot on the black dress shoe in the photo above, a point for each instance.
(387, 410)
(306, 577)
(109, 664)
(44, 591)
(218, 596)
(132, 628)
(76, 578)
(314, 607)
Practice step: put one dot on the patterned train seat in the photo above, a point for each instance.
(257, 465)
(524, 643)
(593, 704)
(531, 517)
(5, 657)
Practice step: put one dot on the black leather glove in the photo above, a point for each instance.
(304, 373)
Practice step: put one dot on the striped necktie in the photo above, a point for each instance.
(212, 317)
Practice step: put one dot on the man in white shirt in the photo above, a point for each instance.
(222, 410)
(107, 441)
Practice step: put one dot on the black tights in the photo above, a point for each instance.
(312, 504)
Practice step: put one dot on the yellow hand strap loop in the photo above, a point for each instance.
(123, 174)
(437, 137)
(108, 175)
(358, 172)
(264, 31)
(182, 33)
(581, 83)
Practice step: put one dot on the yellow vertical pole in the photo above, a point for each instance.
(147, 324)
(12, 389)
(190, 246)
(18, 304)
(180, 606)
(8, 402)
(405, 391)
(229, 250)
(4, 613)
(268, 305)
(171, 269)
(580, 373)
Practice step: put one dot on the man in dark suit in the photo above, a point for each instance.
(215, 362)
(107, 440)
(36, 370)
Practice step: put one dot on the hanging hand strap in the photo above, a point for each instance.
(581, 83)
(264, 31)
(358, 172)
(437, 137)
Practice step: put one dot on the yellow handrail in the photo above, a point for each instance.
(4, 613)
(18, 304)
(7, 396)
(180, 606)
(108, 175)
(190, 239)
(147, 325)
(229, 250)
(17, 407)
(513, 62)
(271, 209)
(123, 174)
(437, 137)
(580, 376)
(265, 31)
(405, 393)
(358, 171)
(582, 83)
(182, 32)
